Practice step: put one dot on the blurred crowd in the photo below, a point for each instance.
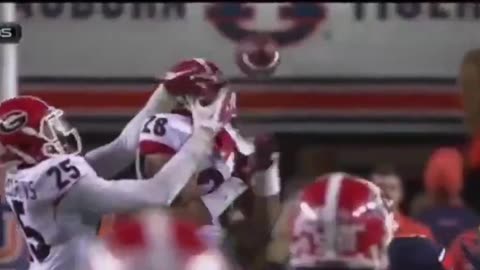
(250, 216)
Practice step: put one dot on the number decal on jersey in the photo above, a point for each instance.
(155, 125)
(41, 250)
(64, 167)
(210, 178)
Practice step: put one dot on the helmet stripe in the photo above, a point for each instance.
(330, 212)
(204, 64)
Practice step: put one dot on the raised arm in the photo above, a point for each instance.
(97, 195)
(262, 170)
(94, 194)
(110, 159)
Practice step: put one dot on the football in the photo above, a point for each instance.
(257, 56)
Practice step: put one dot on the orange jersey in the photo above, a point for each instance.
(469, 238)
(408, 226)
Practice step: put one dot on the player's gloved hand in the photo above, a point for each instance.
(267, 182)
(261, 169)
(264, 155)
(261, 157)
(211, 115)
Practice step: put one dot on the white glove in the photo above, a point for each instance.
(267, 183)
(212, 118)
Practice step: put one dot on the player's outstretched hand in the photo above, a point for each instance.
(260, 170)
(264, 163)
(212, 115)
(262, 158)
(264, 155)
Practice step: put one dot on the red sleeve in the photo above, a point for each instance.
(147, 147)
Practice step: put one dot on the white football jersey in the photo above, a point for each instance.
(166, 133)
(60, 200)
(59, 203)
(34, 195)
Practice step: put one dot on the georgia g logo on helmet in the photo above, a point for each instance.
(13, 122)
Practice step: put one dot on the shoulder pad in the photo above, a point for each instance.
(57, 175)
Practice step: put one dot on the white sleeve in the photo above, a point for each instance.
(96, 195)
(110, 159)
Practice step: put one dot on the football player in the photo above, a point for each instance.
(214, 188)
(340, 222)
(59, 196)
(154, 241)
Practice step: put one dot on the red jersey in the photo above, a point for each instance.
(408, 226)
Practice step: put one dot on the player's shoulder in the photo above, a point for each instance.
(64, 162)
(55, 174)
(45, 165)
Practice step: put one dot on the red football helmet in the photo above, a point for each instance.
(200, 76)
(31, 131)
(154, 241)
(342, 222)
(204, 77)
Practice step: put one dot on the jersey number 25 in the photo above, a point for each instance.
(64, 172)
